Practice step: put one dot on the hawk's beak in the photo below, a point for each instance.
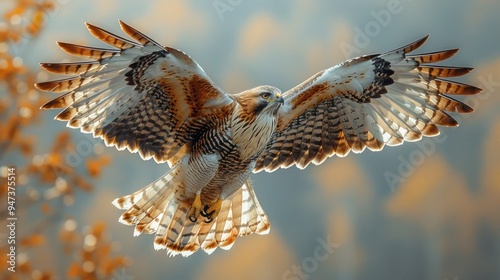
(280, 98)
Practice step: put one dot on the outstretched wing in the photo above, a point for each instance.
(369, 101)
(138, 95)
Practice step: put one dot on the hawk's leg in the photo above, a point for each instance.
(200, 170)
(212, 211)
(194, 211)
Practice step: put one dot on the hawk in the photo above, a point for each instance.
(157, 101)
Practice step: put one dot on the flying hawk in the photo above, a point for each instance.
(159, 102)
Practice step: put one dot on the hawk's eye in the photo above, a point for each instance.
(265, 95)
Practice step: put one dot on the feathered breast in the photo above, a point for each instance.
(251, 133)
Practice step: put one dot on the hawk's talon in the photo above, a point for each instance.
(205, 213)
(212, 211)
(194, 211)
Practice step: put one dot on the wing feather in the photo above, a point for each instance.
(79, 68)
(432, 57)
(87, 52)
(137, 35)
(366, 102)
(110, 38)
(161, 93)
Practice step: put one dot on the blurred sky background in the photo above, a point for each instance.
(440, 217)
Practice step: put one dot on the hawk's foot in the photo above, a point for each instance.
(195, 210)
(211, 212)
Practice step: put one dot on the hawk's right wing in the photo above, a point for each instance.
(139, 95)
(366, 102)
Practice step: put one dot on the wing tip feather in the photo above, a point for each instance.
(416, 44)
(52, 104)
(137, 35)
(46, 86)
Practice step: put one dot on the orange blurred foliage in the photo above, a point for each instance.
(94, 259)
(44, 179)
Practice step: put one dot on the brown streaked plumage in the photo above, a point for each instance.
(157, 101)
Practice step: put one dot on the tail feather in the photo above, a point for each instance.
(150, 221)
(240, 214)
(158, 209)
(144, 205)
(176, 226)
(225, 230)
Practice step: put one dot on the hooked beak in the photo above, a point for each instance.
(280, 99)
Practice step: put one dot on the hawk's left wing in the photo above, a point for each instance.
(138, 95)
(369, 101)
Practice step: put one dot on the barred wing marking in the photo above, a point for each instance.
(138, 95)
(369, 101)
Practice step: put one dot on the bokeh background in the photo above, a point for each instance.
(427, 210)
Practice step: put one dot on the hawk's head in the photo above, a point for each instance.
(261, 99)
(254, 119)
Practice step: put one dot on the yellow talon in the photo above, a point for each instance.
(211, 212)
(195, 210)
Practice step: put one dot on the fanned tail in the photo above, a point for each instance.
(146, 207)
(161, 208)
(240, 215)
